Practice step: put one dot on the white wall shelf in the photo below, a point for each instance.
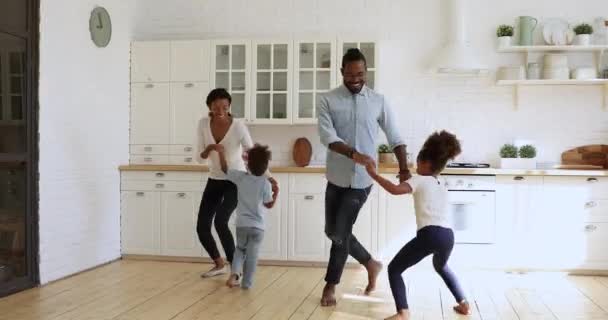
(548, 48)
(571, 82)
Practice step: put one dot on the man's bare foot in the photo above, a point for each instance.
(463, 308)
(328, 298)
(233, 281)
(373, 270)
(401, 315)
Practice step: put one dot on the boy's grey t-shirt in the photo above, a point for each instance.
(253, 192)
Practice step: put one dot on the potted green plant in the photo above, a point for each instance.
(583, 34)
(504, 34)
(508, 156)
(527, 155)
(385, 154)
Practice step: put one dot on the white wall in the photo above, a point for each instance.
(84, 126)
(480, 113)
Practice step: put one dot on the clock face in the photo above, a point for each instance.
(100, 26)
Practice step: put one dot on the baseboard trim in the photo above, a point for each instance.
(278, 263)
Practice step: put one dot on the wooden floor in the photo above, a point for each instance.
(128, 290)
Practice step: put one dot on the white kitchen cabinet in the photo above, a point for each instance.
(179, 212)
(369, 50)
(274, 246)
(150, 61)
(187, 108)
(396, 222)
(518, 207)
(307, 240)
(315, 69)
(140, 222)
(230, 69)
(150, 113)
(190, 61)
(272, 82)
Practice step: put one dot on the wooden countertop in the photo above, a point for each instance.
(385, 169)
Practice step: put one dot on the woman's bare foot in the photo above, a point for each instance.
(373, 270)
(328, 298)
(217, 270)
(233, 281)
(463, 308)
(401, 315)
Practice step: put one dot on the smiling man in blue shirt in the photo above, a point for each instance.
(350, 117)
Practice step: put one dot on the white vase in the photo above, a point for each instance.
(582, 39)
(504, 42)
(517, 163)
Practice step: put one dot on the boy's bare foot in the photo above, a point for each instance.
(401, 315)
(463, 308)
(328, 298)
(373, 270)
(233, 281)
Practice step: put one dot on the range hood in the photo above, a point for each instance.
(457, 56)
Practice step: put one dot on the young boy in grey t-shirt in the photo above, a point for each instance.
(255, 196)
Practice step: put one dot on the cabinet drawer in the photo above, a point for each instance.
(139, 185)
(307, 183)
(596, 236)
(596, 210)
(149, 159)
(162, 175)
(181, 149)
(183, 160)
(588, 186)
(143, 149)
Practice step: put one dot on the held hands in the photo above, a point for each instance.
(371, 169)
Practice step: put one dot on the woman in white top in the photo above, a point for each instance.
(219, 132)
(434, 234)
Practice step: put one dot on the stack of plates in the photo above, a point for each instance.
(556, 67)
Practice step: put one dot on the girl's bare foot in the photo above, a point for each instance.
(328, 298)
(373, 270)
(463, 308)
(401, 315)
(233, 281)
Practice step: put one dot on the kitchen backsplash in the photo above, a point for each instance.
(480, 114)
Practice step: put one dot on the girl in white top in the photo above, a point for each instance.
(434, 234)
(219, 132)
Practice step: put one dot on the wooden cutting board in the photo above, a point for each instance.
(302, 152)
(577, 167)
(594, 155)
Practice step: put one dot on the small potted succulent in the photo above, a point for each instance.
(504, 34)
(583, 34)
(385, 154)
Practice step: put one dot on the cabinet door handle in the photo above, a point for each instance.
(148, 149)
(189, 85)
(590, 228)
(309, 197)
(160, 185)
(189, 159)
(160, 174)
(592, 180)
(140, 194)
(518, 178)
(147, 159)
(590, 204)
(181, 195)
(187, 149)
(149, 86)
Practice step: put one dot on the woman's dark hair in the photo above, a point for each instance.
(353, 55)
(438, 149)
(258, 158)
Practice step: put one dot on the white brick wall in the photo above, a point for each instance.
(84, 118)
(481, 114)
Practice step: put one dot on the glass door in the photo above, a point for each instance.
(271, 82)
(18, 146)
(230, 68)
